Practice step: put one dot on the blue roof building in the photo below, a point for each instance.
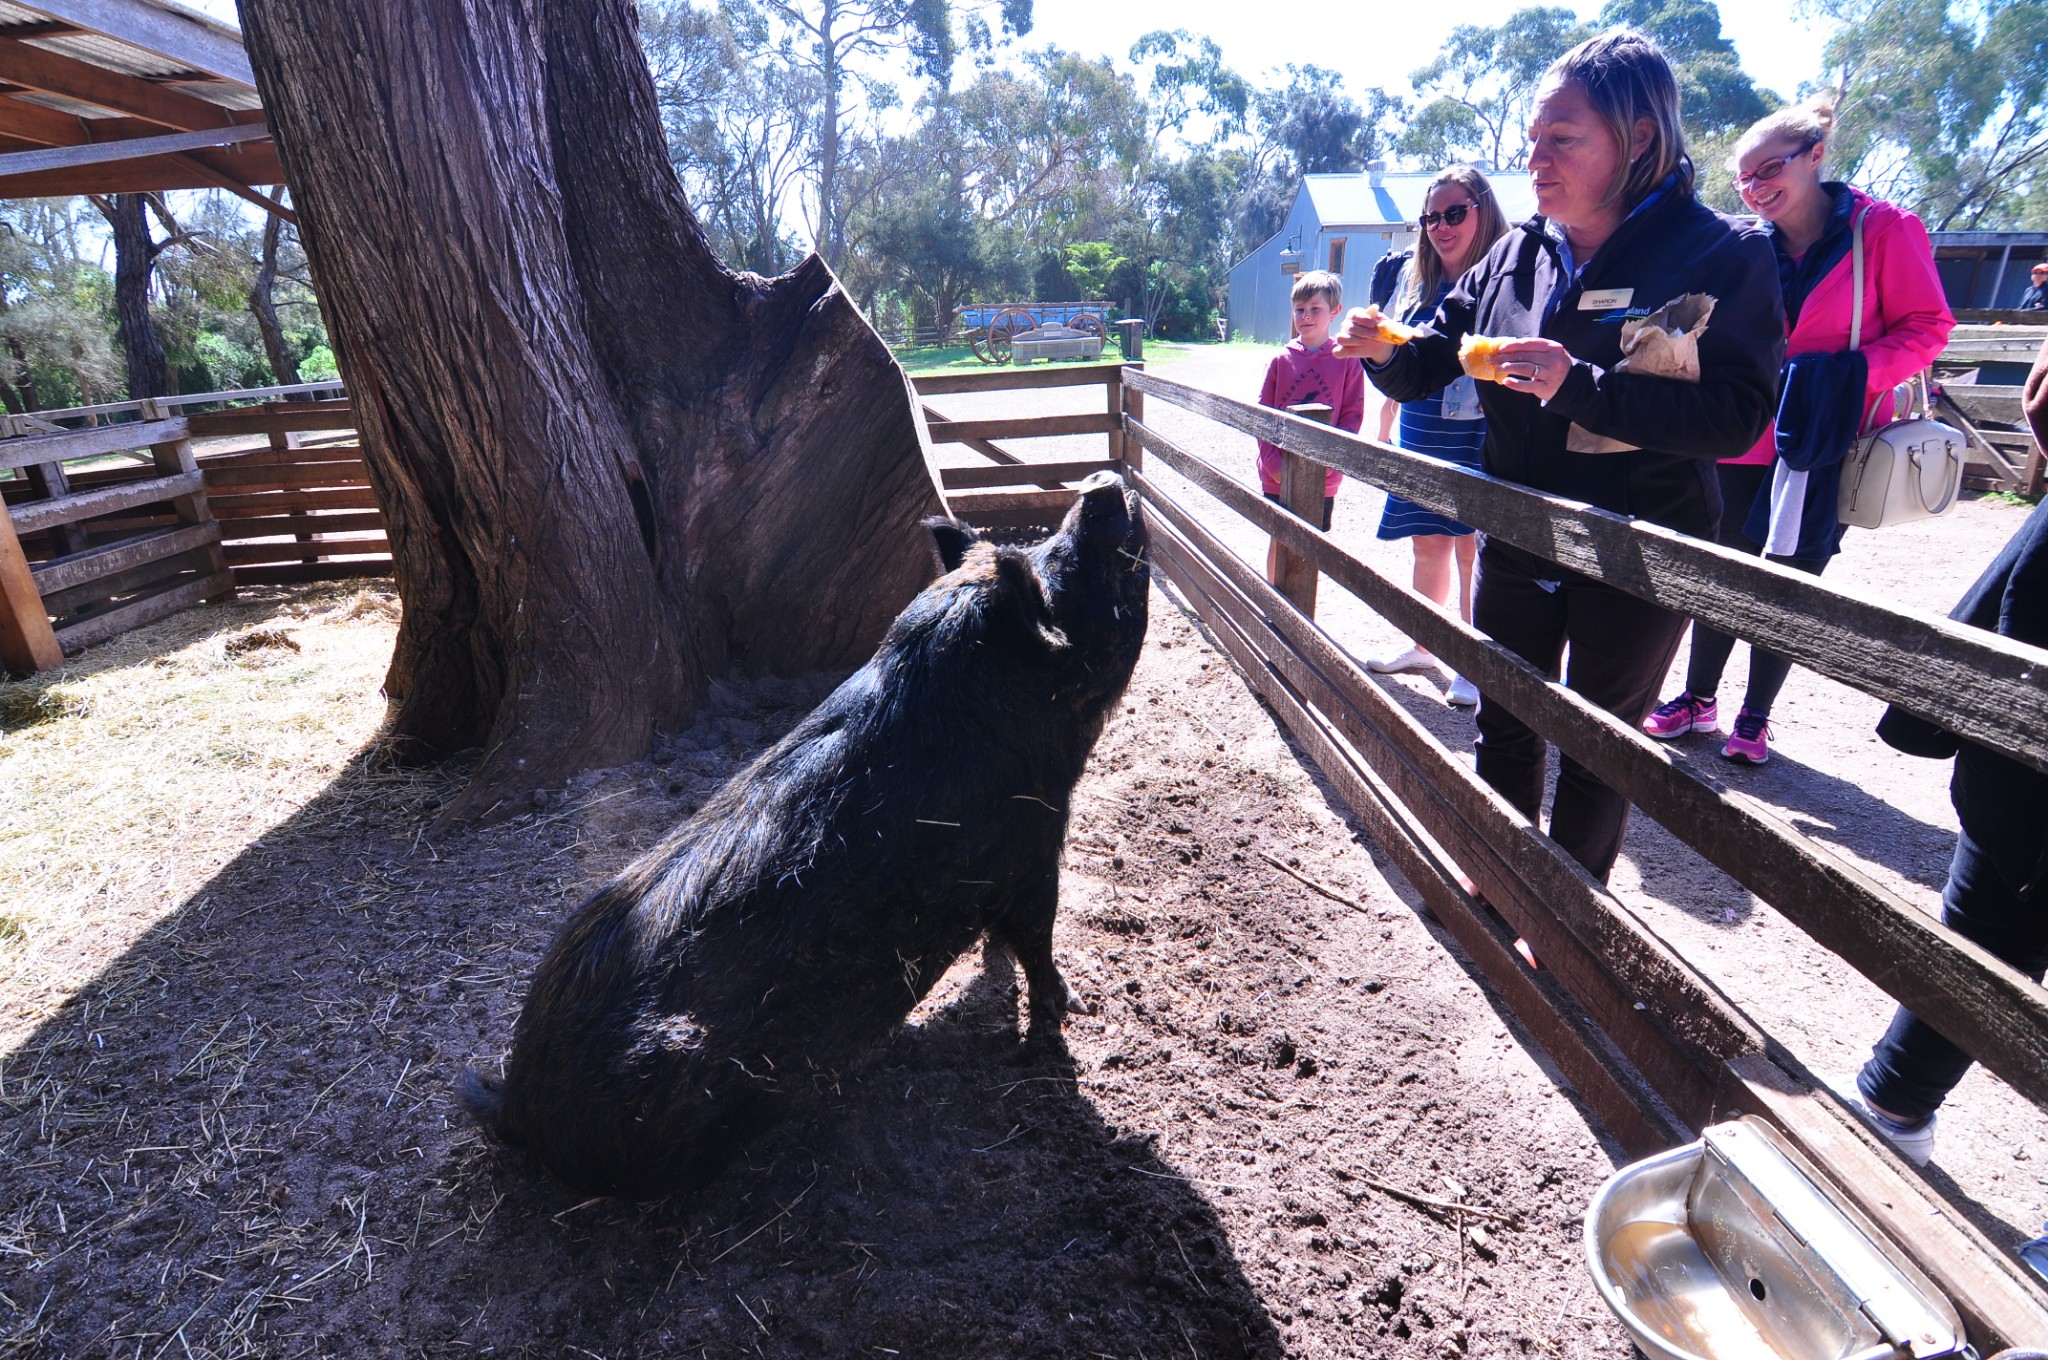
(1343, 223)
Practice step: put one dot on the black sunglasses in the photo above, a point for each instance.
(1450, 216)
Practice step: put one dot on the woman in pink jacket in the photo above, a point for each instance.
(1906, 321)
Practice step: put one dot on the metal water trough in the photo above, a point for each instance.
(1734, 1247)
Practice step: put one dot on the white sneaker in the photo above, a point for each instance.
(1413, 659)
(1462, 693)
(1915, 1142)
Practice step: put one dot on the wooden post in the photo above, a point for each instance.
(1134, 409)
(1301, 491)
(48, 481)
(171, 458)
(27, 642)
(1115, 390)
(283, 440)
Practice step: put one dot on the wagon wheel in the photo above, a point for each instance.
(1090, 323)
(1005, 326)
(977, 340)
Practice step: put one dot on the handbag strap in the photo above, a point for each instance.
(1856, 277)
(1856, 322)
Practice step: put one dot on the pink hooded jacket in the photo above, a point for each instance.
(1906, 318)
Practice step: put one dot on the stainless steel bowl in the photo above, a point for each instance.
(1734, 1248)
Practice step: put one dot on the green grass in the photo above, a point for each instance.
(2011, 498)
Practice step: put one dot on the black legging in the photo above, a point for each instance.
(1740, 485)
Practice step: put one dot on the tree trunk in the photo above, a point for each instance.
(149, 373)
(613, 469)
(284, 365)
(832, 77)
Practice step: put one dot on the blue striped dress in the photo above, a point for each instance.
(1425, 429)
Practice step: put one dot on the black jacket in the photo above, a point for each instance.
(1999, 801)
(1673, 247)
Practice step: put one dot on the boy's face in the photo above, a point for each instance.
(1312, 317)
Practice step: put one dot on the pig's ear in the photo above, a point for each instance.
(952, 539)
(1020, 590)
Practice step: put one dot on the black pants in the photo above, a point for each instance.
(1996, 897)
(1621, 646)
(1740, 484)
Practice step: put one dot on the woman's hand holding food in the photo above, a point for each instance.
(1367, 334)
(1538, 367)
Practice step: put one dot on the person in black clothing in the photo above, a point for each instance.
(1998, 881)
(1386, 277)
(2035, 299)
(1619, 235)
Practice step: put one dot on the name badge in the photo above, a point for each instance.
(1606, 299)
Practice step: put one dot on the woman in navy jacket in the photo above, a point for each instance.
(1619, 235)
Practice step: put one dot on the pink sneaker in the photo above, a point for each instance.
(1750, 742)
(1682, 715)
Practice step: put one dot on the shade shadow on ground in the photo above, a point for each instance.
(241, 1134)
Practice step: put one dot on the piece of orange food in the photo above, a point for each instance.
(1480, 357)
(1386, 330)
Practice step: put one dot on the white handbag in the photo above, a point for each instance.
(1908, 470)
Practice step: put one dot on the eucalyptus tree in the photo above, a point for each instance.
(614, 470)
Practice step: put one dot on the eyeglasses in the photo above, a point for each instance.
(1450, 216)
(1771, 169)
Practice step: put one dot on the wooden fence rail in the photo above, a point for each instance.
(1653, 1048)
(1952, 983)
(95, 541)
(1988, 688)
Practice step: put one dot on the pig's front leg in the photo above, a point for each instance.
(1027, 929)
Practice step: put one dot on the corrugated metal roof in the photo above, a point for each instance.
(1351, 199)
(153, 43)
(113, 54)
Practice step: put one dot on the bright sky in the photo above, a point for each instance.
(1379, 42)
(1373, 42)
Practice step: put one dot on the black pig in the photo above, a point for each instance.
(795, 920)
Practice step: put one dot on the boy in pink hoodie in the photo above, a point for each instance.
(1307, 370)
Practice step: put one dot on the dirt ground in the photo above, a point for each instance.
(237, 980)
(230, 1132)
(1829, 775)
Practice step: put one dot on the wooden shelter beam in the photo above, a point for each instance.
(126, 149)
(36, 68)
(255, 163)
(188, 40)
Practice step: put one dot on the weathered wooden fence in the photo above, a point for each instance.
(1980, 374)
(1653, 1047)
(154, 507)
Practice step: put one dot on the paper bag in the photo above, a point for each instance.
(1664, 344)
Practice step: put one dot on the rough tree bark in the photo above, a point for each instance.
(135, 252)
(613, 469)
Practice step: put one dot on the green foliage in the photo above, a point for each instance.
(1492, 73)
(1089, 264)
(1943, 106)
(56, 309)
(319, 365)
(1716, 98)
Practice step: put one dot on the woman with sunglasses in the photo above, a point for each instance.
(1906, 322)
(1619, 236)
(1460, 221)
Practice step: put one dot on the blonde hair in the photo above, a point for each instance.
(1426, 270)
(1811, 122)
(1626, 78)
(1318, 283)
